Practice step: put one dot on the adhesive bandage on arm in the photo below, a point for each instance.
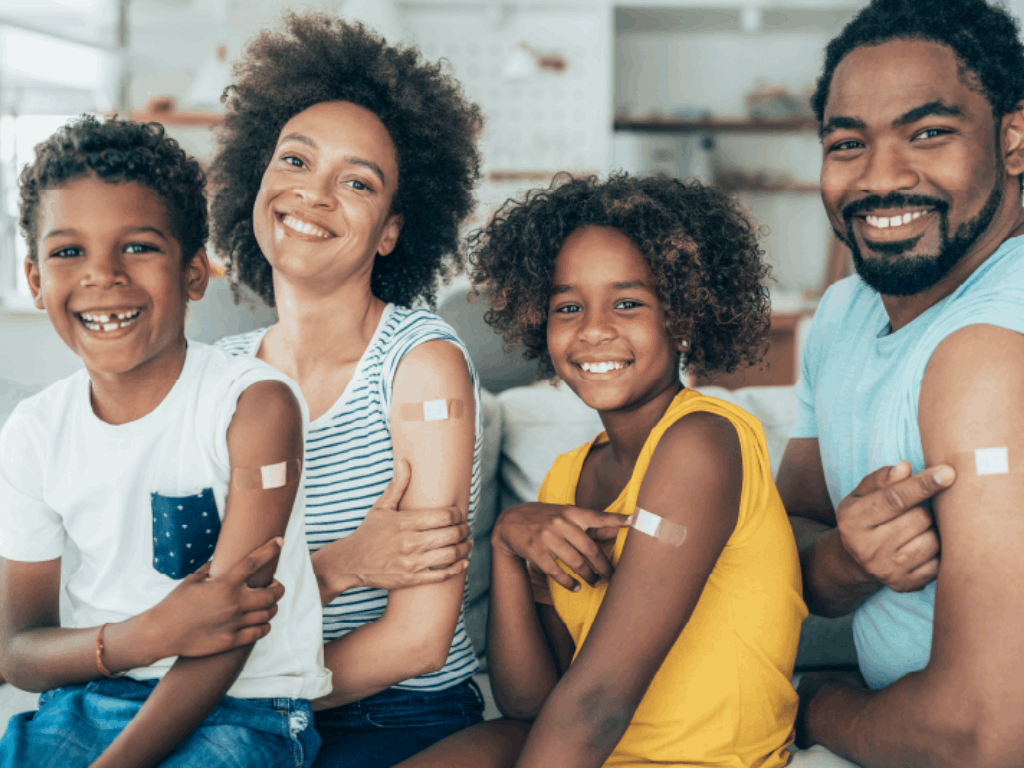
(991, 461)
(266, 478)
(431, 410)
(658, 527)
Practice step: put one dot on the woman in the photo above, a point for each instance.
(344, 170)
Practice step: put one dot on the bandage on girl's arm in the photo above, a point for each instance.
(266, 431)
(694, 480)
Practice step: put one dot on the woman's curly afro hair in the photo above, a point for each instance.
(983, 36)
(432, 124)
(118, 151)
(702, 250)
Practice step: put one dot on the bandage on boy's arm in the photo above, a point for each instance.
(266, 430)
(415, 633)
(694, 479)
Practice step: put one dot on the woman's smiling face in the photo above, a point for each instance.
(323, 212)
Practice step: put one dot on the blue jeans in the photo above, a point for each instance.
(75, 724)
(390, 726)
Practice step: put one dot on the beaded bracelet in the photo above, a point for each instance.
(99, 655)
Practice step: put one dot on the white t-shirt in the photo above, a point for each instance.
(142, 502)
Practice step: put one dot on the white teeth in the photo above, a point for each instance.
(109, 322)
(884, 222)
(109, 326)
(601, 367)
(304, 227)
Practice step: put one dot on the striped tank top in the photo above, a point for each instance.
(349, 462)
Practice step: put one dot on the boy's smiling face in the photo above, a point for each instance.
(111, 276)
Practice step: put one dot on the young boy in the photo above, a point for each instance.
(166, 463)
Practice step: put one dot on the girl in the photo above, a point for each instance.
(345, 168)
(673, 650)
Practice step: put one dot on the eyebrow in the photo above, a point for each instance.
(349, 159)
(624, 286)
(915, 114)
(71, 232)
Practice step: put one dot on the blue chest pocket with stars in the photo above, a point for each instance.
(185, 532)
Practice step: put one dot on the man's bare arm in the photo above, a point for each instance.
(964, 708)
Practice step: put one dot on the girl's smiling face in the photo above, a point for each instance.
(606, 325)
(111, 275)
(323, 212)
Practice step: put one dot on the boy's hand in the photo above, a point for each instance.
(393, 549)
(205, 615)
(542, 532)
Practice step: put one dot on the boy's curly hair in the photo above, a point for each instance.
(983, 36)
(118, 151)
(432, 124)
(700, 246)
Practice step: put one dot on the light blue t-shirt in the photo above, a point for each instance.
(858, 395)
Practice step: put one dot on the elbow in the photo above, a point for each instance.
(986, 744)
(515, 707)
(429, 655)
(22, 676)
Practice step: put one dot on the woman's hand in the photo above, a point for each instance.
(394, 549)
(542, 532)
(205, 615)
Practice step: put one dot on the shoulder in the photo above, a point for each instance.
(700, 443)
(407, 328)
(242, 343)
(45, 410)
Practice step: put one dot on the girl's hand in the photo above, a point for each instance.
(394, 549)
(205, 615)
(542, 532)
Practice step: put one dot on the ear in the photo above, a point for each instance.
(197, 275)
(35, 282)
(1013, 141)
(389, 238)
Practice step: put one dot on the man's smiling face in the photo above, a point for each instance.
(912, 173)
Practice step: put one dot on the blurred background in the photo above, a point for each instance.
(710, 89)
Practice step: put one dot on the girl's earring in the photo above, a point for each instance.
(683, 344)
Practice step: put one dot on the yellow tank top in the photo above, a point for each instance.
(723, 695)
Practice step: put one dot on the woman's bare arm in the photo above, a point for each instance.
(415, 633)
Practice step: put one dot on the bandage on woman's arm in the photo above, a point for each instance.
(265, 431)
(415, 633)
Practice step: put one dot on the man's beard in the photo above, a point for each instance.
(893, 274)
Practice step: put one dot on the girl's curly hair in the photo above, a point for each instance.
(700, 246)
(118, 151)
(432, 124)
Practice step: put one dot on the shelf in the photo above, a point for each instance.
(739, 125)
(177, 117)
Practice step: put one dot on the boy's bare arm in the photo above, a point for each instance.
(266, 430)
(960, 709)
(650, 597)
(415, 633)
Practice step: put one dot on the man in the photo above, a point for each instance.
(918, 357)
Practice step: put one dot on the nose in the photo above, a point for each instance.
(315, 191)
(597, 327)
(104, 270)
(886, 168)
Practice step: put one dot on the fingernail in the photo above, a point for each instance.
(943, 476)
(576, 587)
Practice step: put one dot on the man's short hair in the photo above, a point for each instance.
(984, 37)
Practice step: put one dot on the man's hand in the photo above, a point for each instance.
(394, 549)
(540, 533)
(205, 615)
(885, 530)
